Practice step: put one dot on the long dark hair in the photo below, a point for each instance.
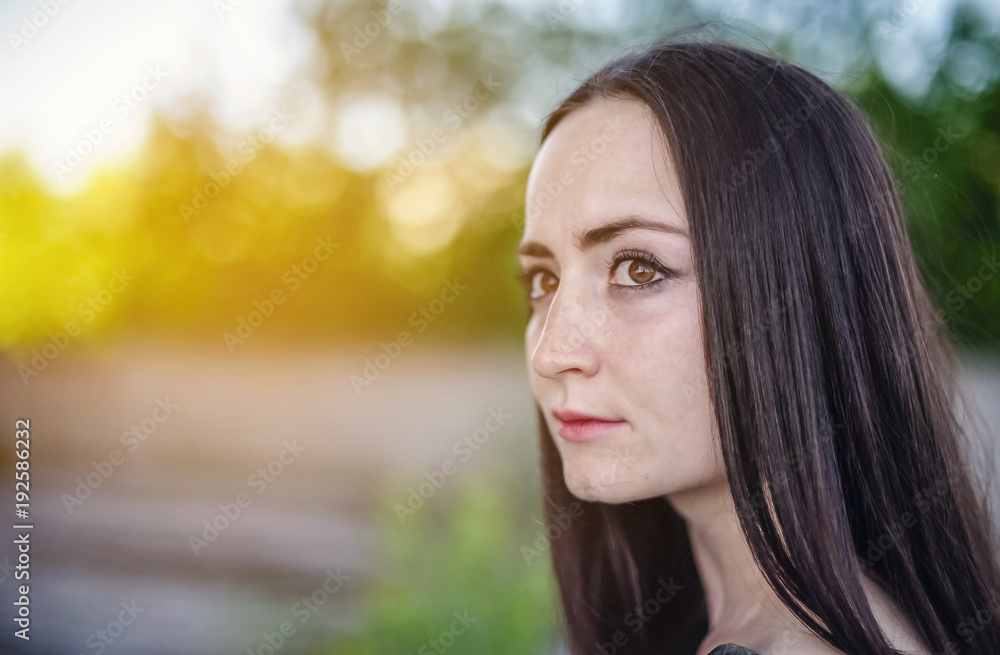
(834, 395)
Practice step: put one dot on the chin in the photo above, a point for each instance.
(608, 471)
(603, 484)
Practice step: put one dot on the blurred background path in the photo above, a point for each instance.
(130, 538)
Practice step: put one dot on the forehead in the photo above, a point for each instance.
(604, 159)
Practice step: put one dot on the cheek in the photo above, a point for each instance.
(532, 333)
(660, 360)
(659, 377)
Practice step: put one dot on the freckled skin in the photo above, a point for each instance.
(639, 357)
(631, 356)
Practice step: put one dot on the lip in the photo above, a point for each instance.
(577, 426)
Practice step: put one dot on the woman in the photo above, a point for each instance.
(729, 347)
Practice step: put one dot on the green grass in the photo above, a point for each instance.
(460, 552)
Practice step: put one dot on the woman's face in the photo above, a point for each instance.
(615, 330)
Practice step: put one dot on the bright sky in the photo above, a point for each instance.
(64, 80)
(67, 78)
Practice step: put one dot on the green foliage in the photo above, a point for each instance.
(460, 553)
(945, 154)
(202, 265)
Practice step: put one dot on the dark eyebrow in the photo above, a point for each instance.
(603, 234)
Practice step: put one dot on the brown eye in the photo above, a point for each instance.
(636, 273)
(542, 282)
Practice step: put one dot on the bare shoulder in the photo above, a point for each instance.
(898, 630)
(797, 642)
(891, 620)
(801, 642)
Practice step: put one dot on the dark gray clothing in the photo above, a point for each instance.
(731, 649)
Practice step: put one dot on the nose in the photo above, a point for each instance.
(567, 339)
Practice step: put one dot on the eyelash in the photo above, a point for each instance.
(525, 277)
(645, 258)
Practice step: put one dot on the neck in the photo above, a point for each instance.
(736, 592)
